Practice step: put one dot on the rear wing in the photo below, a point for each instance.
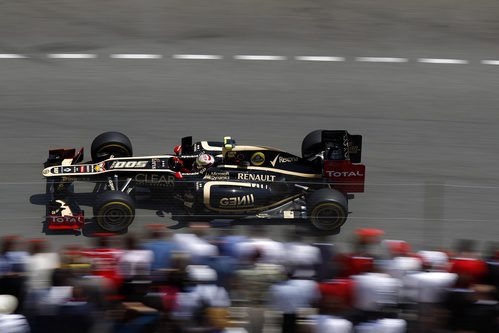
(342, 157)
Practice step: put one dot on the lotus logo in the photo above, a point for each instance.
(258, 158)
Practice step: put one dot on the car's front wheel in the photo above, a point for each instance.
(327, 210)
(114, 211)
(109, 144)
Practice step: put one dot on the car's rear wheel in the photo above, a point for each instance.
(114, 211)
(111, 144)
(327, 210)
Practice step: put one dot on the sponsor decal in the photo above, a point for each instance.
(344, 174)
(289, 159)
(97, 168)
(353, 149)
(285, 159)
(82, 168)
(256, 185)
(345, 147)
(243, 201)
(217, 176)
(67, 169)
(274, 161)
(257, 158)
(66, 219)
(155, 179)
(154, 163)
(257, 177)
(55, 170)
(128, 164)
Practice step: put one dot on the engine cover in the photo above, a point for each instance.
(229, 196)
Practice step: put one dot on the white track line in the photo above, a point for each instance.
(490, 62)
(319, 58)
(12, 56)
(197, 56)
(259, 57)
(135, 56)
(71, 55)
(381, 59)
(443, 61)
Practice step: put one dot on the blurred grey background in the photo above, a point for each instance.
(430, 130)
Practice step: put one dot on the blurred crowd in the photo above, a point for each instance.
(204, 280)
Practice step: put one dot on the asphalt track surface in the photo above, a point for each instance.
(430, 130)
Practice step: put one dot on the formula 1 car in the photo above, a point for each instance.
(244, 183)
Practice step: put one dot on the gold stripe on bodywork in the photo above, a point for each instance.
(285, 172)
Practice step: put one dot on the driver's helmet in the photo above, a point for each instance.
(204, 161)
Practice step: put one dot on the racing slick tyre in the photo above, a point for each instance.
(327, 210)
(312, 144)
(111, 144)
(114, 211)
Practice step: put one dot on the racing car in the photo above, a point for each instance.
(207, 181)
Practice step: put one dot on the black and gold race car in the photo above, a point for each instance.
(243, 184)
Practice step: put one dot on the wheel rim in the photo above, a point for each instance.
(328, 216)
(115, 216)
(109, 150)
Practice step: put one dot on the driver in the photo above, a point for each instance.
(203, 161)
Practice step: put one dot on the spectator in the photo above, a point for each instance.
(134, 266)
(367, 249)
(11, 323)
(204, 307)
(374, 294)
(12, 268)
(429, 290)
(387, 325)
(296, 293)
(299, 254)
(333, 316)
(40, 264)
(272, 252)
(161, 245)
(253, 283)
(467, 265)
(196, 245)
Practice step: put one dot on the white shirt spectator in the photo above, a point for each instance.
(135, 263)
(292, 295)
(206, 292)
(53, 298)
(429, 287)
(399, 267)
(387, 325)
(373, 291)
(197, 247)
(272, 252)
(211, 294)
(39, 268)
(331, 324)
(11, 323)
(435, 259)
(299, 254)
